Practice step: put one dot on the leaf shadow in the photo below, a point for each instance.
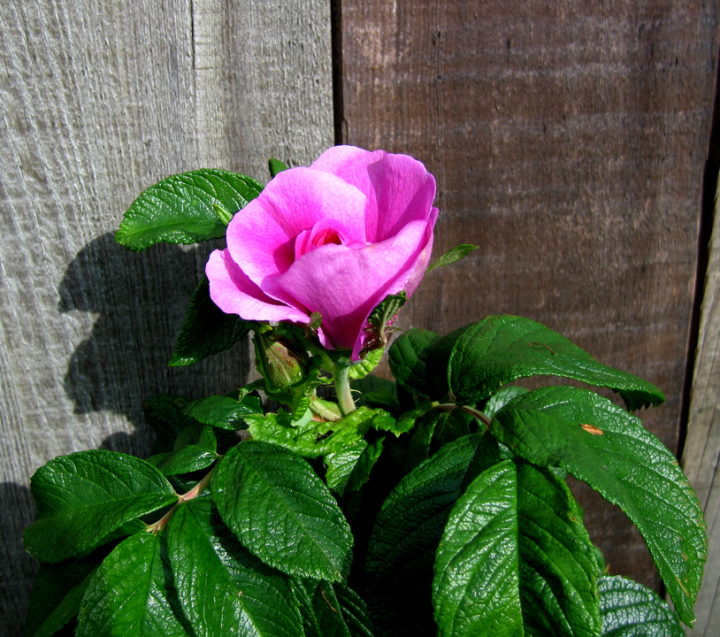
(138, 303)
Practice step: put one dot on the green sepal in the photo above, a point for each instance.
(275, 166)
(451, 256)
(500, 349)
(259, 488)
(206, 330)
(131, 593)
(181, 208)
(629, 609)
(225, 412)
(83, 498)
(222, 589)
(369, 362)
(380, 322)
(608, 448)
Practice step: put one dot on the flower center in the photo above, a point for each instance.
(324, 232)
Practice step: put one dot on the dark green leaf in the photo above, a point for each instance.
(408, 359)
(558, 566)
(260, 488)
(452, 256)
(629, 609)
(84, 497)
(337, 610)
(166, 415)
(197, 453)
(57, 592)
(349, 470)
(225, 412)
(476, 589)
(207, 330)
(451, 426)
(224, 591)
(276, 166)
(402, 544)
(180, 209)
(500, 349)
(376, 392)
(131, 593)
(609, 449)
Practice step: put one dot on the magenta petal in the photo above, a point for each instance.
(346, 284)
(261, 237)
(234, 293)
(399, 188)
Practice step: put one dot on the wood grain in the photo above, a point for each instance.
(701, 456)
(99, 101)
(568, 140)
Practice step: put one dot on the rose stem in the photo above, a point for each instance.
(342, 389)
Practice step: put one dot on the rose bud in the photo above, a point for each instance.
(334, 238)
(278, 362)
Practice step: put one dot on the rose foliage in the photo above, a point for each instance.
(323, 500)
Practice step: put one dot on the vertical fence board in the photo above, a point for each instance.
(702, 449)
(568, 140)
(99, 101)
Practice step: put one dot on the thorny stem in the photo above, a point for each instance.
(185, 497)
(342, 389)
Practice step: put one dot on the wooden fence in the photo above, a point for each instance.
(571, 140)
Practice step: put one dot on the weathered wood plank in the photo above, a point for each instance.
(701, 456)
(99, 101)
(568, 140)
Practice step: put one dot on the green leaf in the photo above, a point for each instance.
(408, 359)
(311, 438)
(500, 349)
(180, 209)
(452, 256)
(376, 392)
(131, 593)
(558, 566)
(348, 470)
(610, 450)
(629, 609)
(224, 411)
(224, 591)
(501, 398)
(165, 414)
(337, 609)
(84, 497)
(207, 330)
(199, 452)
(276, 166)
(282, 511)
(402, 543)
(476, 589)
(58, 590)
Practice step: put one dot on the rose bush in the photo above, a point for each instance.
(335, 238)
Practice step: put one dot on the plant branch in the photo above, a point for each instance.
(342, 389)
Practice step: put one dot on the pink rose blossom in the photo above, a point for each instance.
(334, 238)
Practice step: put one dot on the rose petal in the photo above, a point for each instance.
(234, 293)
(261, 237)
(399, 188)
(346, 284)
